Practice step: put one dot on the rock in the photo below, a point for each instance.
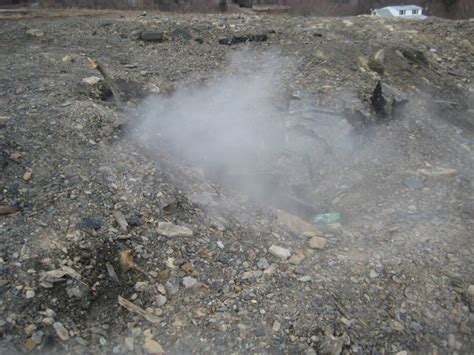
(153, 347)
(111, 272)
(152, 36)
(201, 312)
(373, 274)
(437, 171)
(61, 331)
(296, 225)
(134, 221)
(37, 337)
(141, 286)
(7, 210)
(172, 230)
(470, 293)
(305, 278)
(186, 267)
(392, 100)
(413, 56)
(276, 326)
(92, 223)
(262, 263)
(35, 32)
(16, 156)
(347, 322)
(317, 243)
(91, 80)
(417, 327)
(413, 182)
(242, 39)
(396, 326)
(189, 282)
(68, 59)
(160, 300)
(180, 33)
(332, 345)
(30, 294)
(279, 252)
(348, 23)
(128, 343)
(30, 345)
(121, 221)
(27, 175)
(161, 289)
(467, 45)
(251, 274)
(270, 270)
(296, 259)
(29, 330)
(171, 288)
(463, 328)
(376, 62)
(451, 341)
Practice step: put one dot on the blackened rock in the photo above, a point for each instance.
(152, 36)
(92, 223)
(386, 102)
(242, 39)
(378, 101)
(134, 221)
(179, 33)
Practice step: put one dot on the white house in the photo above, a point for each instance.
(405, 11)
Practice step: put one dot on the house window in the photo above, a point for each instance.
(402, 12)
(414, 12)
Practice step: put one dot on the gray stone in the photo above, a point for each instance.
(305, 278)
(91, 80)
(37, 337)
(317, 243)
(417, 327)
(160, 300)
(279, 252)
(61, 331)
(413, 182)
(376, 62)
(189, 282)
(171, 288)
(172, 230)
(152, 36)
(262, 263)
(470, 293)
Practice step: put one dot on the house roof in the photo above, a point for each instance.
(405, 7)
(383, 12)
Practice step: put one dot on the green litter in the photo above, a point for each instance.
(327, 218)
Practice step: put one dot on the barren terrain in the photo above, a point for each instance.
(180, 218)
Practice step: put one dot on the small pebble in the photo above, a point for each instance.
(189, 281)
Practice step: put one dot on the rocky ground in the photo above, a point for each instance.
(111, 243)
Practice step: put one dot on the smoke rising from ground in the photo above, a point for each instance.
(240, 129)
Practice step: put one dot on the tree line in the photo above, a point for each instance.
(455, 9)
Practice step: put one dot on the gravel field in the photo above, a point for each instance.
(178, 215)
